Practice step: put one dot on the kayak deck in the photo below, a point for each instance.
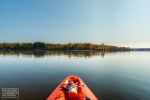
(81, 92)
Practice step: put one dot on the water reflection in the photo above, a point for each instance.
(42, 53)
(110, 76)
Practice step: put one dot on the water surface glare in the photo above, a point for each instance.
(110, 76)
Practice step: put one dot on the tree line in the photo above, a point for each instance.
(68, 46)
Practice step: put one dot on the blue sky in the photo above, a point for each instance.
(115, 22)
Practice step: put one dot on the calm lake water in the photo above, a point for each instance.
(110, 76)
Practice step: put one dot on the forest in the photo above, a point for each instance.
(68, 46)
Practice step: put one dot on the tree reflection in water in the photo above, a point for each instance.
(42, 53)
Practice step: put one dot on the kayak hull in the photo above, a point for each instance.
(84, 91)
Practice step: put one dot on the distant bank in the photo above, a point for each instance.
(141, 49)
(68, 46)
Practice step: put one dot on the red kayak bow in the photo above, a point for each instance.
(72, 88)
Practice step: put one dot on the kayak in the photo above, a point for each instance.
(72, 88)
